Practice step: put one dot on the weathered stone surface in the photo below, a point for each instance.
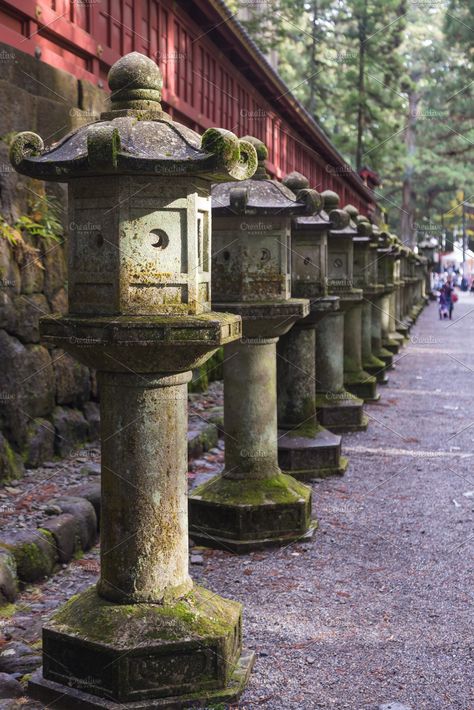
(58, 302)
(202, 630)
(72, 379)
(8, 578)
(10, 278)
(71, 429)
(37, 382)
(64, 529)
(84, 515)
(34, 553)
(91, 469)
(32, 272)
(11, 465)
(9, 687)
(394, 706)
(55, 268)
(28, 310)
(92, 414)
(7, 311)
(18, 657)
(40, 443)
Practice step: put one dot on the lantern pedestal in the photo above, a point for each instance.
(145, 633)
(336, 409)
(252, 504)
(98, 654)
(356, 380)
(305, 449)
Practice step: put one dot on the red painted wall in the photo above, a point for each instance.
(203, 87)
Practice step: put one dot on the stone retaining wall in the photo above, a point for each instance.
(47, 400)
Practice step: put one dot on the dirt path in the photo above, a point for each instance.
(379, 607)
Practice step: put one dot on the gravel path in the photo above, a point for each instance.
(377, 608)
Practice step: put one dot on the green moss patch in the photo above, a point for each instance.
(199, 615)
(280, 488)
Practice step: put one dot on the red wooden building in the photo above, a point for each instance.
(214, 75)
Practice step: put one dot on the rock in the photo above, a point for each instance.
(394, 706)
(11, 466)
(85, 516)
(10, 278)
(202, 436)
(28, 311)
(92, 414)
(9, 687)
(73, 384)
(59, 302)
(91, 492)
(90, 469)
(71, 430)
(17, 657)
(38, 383)
(64, 530)
(34, 552)
(197, 560)
(32, 273)
(8, 578)
(40, 443)
(52, 509)
(7, 310)
(55, 268)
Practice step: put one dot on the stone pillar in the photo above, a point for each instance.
(139, 292)
(145, 558)
(252, 503)
(306, 449)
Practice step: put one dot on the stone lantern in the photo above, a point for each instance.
(366, 278)
(392, 339)
(139, 290)
(253, 503)
(337, 409)
(397, 328)
(356, 379)
(380, 304)
(305, 448)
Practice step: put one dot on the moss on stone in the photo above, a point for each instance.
(7, 611)
(199, 615)
(279, 488)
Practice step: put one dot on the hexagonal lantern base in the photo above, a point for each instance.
(242, 515)
(362, 385)
(103, 655)
(341, 412)
(315, 456)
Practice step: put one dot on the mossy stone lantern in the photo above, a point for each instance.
(397, 328)
(380, 302)
(356, 379)
(139, 275)
(253, 504)
(337, 409)
(305, 448)
(365, 277)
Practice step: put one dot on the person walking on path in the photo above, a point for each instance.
(447, 299)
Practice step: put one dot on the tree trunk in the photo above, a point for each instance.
(362, 26)
(407, 223)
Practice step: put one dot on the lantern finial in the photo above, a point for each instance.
(136, 82)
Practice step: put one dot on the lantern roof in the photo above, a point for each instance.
(135, 137)
(261, 195)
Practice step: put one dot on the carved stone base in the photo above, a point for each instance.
(392, 345)
(55, 695)
(97, 654)
(246, 514)
(341, 412)
(386, 356)
(316, 456)
(362, 385)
